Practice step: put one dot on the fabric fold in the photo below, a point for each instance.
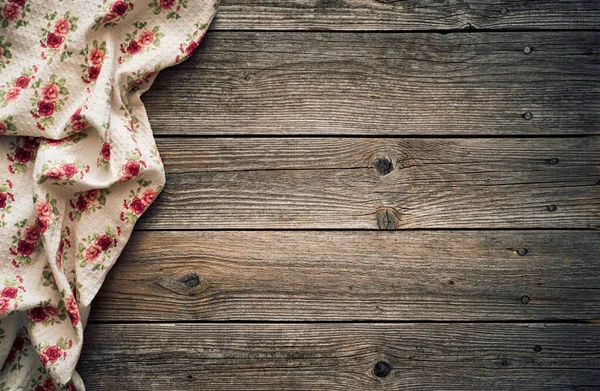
(78, 163)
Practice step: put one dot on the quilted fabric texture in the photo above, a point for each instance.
(78, 163)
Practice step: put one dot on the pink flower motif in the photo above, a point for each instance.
(3, 128)
(92, 252)
(10, 292)
(22, 81)
(50, 92)
(69, 169)
(54, 40)
(146, 38)
(62, 27)
(10, 11)
(133, 48)
(166, 4)
(96, 56)
(46, 109)
(54, 173)
(43, 210)
(148, 196)
(12, 93)
(137, 206)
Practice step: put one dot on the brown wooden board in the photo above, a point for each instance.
(352, 15)
(382, 84)
(178, 357)
(350, 275)
(371, 183)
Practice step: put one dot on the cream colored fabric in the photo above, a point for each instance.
(78, 163)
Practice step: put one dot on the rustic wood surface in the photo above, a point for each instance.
(316, 276)
(217, 356)
(382, 15)
(382, 84)
(368, 195)
(378, 183)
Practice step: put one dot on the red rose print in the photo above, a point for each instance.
(43, 210)
(50, 92)
(70, 386)
(108, 17)
(190, 48)
(49, 385)
(166, 4)
(53, 143)
(69, 169)
(81, 204)
(105, 153)
(92, 252)
(10, 11)
(72, 310)
(119, 7)
(4, 302)
(104, 241)
(131, 168)
(20, 3)
(148, 196)
(46, 109)
(32, 234)
(137, 206)
(76, 116)
(42, 225)
(3, 198)
(22, 155)
(78, 126)
(54, 40)
(92, 195)
(96, 56)
(146, 38)
(53, 353)
(133, 48)
(51, 311)
(10, 292)
(12, 93)
(93, 72)
(37, 314)
(31, 143)
(19, 343)
(62, 27)
(25, 248)
(3, 127)
(22, 82)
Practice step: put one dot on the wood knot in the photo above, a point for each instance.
(384, 165)
(386, 219)
(190, 280)
(381, 369)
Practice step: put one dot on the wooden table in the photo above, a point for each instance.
(368, 195)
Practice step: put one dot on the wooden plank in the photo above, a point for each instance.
(341, 357)
(351, 15)
(316, 276)
(363, 83)
(370, 183)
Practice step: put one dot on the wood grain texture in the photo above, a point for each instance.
(341, 357)
(384, 84)
(316, 276)
(350, 15)
(329, 182)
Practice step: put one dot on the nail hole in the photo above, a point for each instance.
(504, 363)
(552, 208)
(528, 115)
(525, 299)
(522, 251)
(451, 282)
(554, 161)
(381, 369)
(537, 348)
(504, 11)
(527, 50)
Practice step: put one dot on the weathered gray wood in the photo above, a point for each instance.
(358, 83)
(340, 183)
(341, 357)
(316, 276)
(352, 15)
